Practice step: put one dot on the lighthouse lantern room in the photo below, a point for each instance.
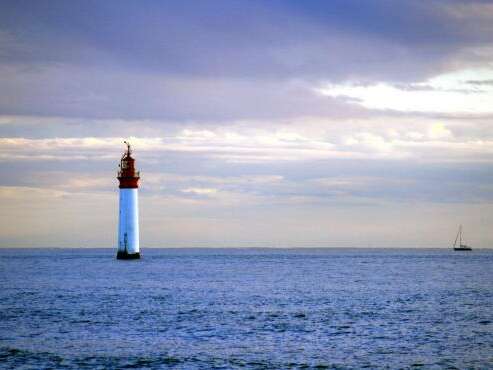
(128, 224)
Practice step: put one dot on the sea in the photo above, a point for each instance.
(246, 309)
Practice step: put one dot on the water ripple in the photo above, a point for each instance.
(246, 309)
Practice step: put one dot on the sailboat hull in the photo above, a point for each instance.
(460, 246)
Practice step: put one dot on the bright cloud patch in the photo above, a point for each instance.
(467, 92)
(200, 191)
(302, 140)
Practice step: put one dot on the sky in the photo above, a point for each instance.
(336, 123)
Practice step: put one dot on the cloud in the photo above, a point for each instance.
(186, 62)
(306, 139)
(107, 93)
(480, 82)
(446, 94)
(220, 38)
(200, 191)
(253, 122)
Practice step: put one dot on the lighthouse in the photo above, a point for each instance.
(128, 223)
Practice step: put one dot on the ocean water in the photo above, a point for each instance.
(248, 308)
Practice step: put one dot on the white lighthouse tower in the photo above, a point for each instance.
(128, 224)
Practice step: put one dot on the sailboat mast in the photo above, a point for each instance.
(460, 236)
(456, 237)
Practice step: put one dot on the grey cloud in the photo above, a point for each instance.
(324, 181)
(222, 37)
(64, 91)
(221, 60)
(480, 82)
(312, 40)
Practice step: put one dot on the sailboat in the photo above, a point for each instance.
(460, 247)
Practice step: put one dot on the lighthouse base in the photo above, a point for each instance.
(123, 255)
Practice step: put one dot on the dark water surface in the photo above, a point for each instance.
(250, 308)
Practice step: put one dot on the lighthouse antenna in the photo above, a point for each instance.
(129, 151)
